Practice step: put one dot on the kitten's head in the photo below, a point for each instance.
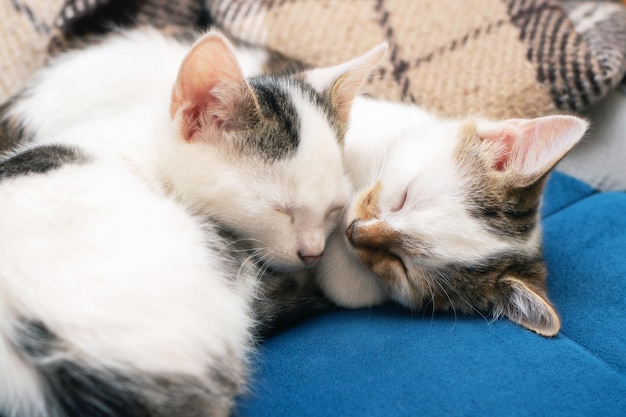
(451, 219)
(262, 156)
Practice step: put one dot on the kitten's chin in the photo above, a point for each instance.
(406, 285)
(387, 266)
(344, 279)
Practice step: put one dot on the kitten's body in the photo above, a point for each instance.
(109, 292)
(119, 73)
(116, 96)
(118, 297)
(446, 214)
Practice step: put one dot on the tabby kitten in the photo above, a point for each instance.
(446, 213)
(125, 288)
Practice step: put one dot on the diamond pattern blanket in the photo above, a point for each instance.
(499, 58)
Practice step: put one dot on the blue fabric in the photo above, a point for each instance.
(387, 361)
(561, 192)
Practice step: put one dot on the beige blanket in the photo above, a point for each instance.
(497, 58)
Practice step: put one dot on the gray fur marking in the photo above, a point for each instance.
(39, 160)
(278, 135)
(12, 131)
(76, 388)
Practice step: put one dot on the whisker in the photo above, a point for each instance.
(440, 279)
(467, 303)
(239, 241)
(431, 289)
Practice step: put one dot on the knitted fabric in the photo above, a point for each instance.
(33, 30)
(497, 58)
(25, 30)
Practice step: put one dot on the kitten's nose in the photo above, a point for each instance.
(309, 259)
(350, 232)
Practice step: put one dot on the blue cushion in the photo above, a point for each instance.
(387, 361)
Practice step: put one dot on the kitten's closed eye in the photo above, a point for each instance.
(335, 211)
(332, 212)
(286, 211)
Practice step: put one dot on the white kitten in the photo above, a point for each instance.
(123, 291)
(260, 156)
(446, 213)
(109, 291)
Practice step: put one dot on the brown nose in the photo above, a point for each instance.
(309, 259)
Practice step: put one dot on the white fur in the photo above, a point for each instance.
(344, 279)
(127, 70)
(102, 81)
(153, 298)
(126, 114)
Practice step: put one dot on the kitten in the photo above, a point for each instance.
(124, 288)
(115, 301)
(446, 216)
(261, 156)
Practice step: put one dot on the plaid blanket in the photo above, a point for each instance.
(497, 58)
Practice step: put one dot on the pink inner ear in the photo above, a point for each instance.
(190, 123)
(532, 147)
(208, 71)
(505, 138)
(209, 64)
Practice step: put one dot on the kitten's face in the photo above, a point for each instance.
(284, 198)
(451, 219)
(262, 155)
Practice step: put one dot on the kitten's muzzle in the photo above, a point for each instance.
(350, 233)
(374, 243)
(372, 234)
(357, 237)
(309, 260)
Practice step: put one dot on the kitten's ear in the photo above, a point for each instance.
(528, 307)
(210, 94)
(343, 82)
(530, 148)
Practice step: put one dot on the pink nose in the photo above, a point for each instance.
(309, 259)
